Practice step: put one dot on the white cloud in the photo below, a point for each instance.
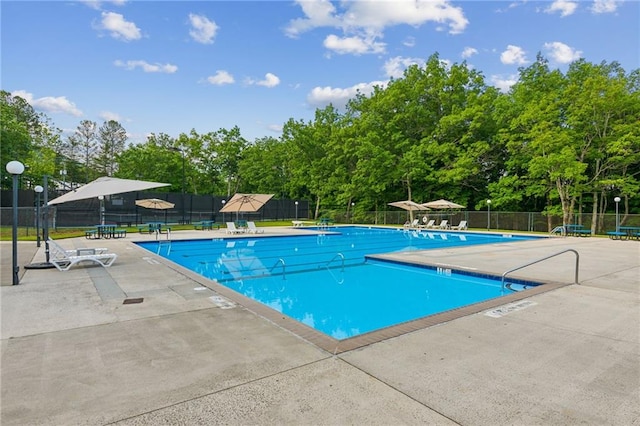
(97, 5)
(320, 97)
(604, 6)
(118, 27)
(221, 77)
(504, 83)
(562, 53)
(362, 22)
(565, 7)
(277, 128)
(513, 55)
(49, 104)
(469, 52)
(354, 45)
(108, 116)
(146, 67)
(202, 29)
(270, 80)
(409, 41)
(395, 67)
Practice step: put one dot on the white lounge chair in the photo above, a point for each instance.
(461, 225)
(253, 229)
(413, 225)
(444, 224)
(231, 229)
(65, 259)
(428, 225)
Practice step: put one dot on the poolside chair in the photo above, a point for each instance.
(412, 225)
(63, 259)
(428, 225)
(444, 224)
(231, 229)
(252, 229)
(461, 225)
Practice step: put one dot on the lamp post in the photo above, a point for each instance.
(296, 203)
(63, 173)
(15, 168)
(38, 190)
(617, 200)
(488, 215)
(101, 198)
(223, 203)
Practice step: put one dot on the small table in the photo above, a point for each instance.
(631, 231)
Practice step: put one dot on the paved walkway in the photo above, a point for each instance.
(73, 353)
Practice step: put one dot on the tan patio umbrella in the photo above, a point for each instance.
(246, 203)
(410, 206)
(442, 205)
(156, 204)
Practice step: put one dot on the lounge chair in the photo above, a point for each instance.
(231, 229)
(252, 229)
(461, 225)
(428, 225)
(65, 259)
(413, 225)
(444, 224)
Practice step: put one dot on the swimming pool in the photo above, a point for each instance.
(329, 282)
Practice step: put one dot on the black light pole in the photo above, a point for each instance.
(617, 200)
(488, 215)
(15, 168)
(45, 224)
(38, 190)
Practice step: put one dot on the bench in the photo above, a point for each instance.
(91, 234)
(297, 223)
(581, 232)
(120, 233)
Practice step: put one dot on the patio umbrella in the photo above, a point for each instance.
(105, 186)
(246, 203)
(410, 206)
(156, 204)
(442, 205)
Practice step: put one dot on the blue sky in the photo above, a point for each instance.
(172, 66)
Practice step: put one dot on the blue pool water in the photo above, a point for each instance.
(327, 282)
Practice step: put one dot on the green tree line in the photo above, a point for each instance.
(560, 143)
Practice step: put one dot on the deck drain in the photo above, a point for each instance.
(132, 301)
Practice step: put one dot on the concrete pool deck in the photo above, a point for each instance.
(73, 353)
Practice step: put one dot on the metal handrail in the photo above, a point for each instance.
(545, 258)
(334, 258)
(279, 262)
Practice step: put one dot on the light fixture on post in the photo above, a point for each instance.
(15, 168)
(101, 198)
(617, 200)
(296, 210)
(223, 203)
(488, 215)
(38, 190)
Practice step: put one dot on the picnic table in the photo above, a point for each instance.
(105, 231)
(625, 233)
(206, 224)
(576, 230)
(151, 227)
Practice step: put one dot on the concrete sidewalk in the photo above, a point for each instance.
(73, 353)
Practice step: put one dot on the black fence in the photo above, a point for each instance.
(122, 210)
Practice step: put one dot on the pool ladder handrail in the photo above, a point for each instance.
(545, 258)
(340, 255)
(279, 262)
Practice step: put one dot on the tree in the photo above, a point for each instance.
(81, 147)
(111, 142)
